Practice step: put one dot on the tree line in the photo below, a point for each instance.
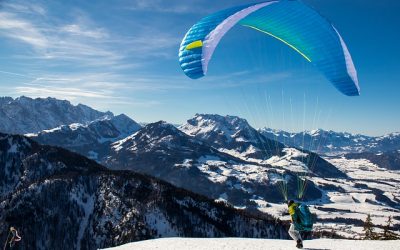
(371, 234)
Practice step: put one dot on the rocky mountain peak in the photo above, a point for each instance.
(232, 134)
(153, 135)
(26, 115)
(228, 126)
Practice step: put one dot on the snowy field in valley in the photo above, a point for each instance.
(345, 203)
(255, 244)
(360, 195)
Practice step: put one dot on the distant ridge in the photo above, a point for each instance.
(26, 115)
(334, 143)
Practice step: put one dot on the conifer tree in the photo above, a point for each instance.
(368, 229)
(387, 233)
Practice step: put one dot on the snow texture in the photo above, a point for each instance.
(255, 244)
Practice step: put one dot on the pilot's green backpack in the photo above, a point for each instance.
(305, 218)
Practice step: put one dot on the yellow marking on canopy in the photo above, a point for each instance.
(194, 45)
(280, 39)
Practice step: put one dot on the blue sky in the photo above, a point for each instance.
(122, 56)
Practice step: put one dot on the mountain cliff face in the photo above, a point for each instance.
(93, 139)
(61, 200)
(25, 115)
(232, 135)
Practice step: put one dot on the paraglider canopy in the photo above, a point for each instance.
(291, 22)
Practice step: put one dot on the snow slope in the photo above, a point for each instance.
(255, 244)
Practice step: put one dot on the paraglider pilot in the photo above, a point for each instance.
(294, 230)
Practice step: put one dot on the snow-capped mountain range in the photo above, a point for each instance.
(163, 151)
(224, 158)
(26, 115)
(335, 143)
(61, 200)
(219, 171)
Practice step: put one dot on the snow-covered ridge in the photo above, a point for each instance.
(91, 139)
(154, 133)
(123, 125)
(232, 135)
(26, 115)
(319, 131)
(334, 143)
(227, 126)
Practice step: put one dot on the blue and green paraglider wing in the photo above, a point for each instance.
(291, 22)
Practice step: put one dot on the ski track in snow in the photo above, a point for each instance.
(256, 244)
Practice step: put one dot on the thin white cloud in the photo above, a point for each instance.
(68, 93)
(85, 80)
(152, 43)
(77, 30)
(115, 88)
(172, 6)
(100, 86)
(226, 81)
(99, 90)
(81, 41)
(26, 7)
(13, 27)
(16, 74)
(97, 99)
